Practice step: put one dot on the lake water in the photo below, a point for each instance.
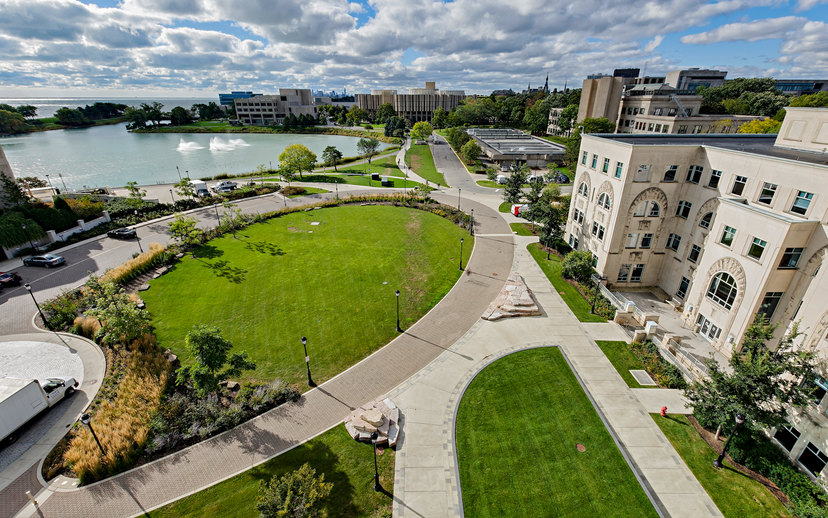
(111, 156)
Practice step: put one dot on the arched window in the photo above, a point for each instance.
(604, 201)
(723, 289)
(706, 220)
(583, 190)
(655, 210)
(649, 209)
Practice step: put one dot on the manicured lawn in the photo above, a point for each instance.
(350, 179)
(345, 462)
(518, 427)
(333, 283)
(557, 139)
(522, 229)
(735, 494)
(419, 159)
(308, 190)
(504, 207)
(552, 268)
(619, 354)
(385, 166)
(489, 183)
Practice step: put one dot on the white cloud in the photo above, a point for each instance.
(749, 31)
(806, 5)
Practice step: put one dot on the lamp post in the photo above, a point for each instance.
(461, 254)
(307, 361)
(61, 181)
(179, 173)
(50, 185)
(397, 293)
(87, 420)
(459, 190)
(594, 297)
(42, 316)
(377, 486)
(740, 419)
(138, 238)
(28, 237)
(471, 223)
(172, 196)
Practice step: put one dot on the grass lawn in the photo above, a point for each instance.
(350, 179)
(419, 159)
(345, 462)
(489, 183)
(552, 268)
(619, 354)
(385, 166)
(308, 190)
(504, 207)
(517, 429)
(333, 282)
(735, 494)
(522, 229)
(557, 139)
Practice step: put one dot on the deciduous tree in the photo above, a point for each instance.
(384, 112)
(421, 130)
(470, 151)
(296, 494)
(331, 156)
(184, 230)
(122, 321)
(297, 158)
(760, 126)
(513, 190)
(578, 265)
(212, 360)
(368, 147)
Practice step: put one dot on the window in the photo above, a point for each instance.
(594, 161)
(802, 201)
(598, 230)
(584, 158)
(682, 129)
(673, 242)
(697, 128)
(812, 459)
(757, 246)
(715, 176)
(619, 167)
(583, 190)
(632, 241)
(670, 174)
(646, 240)
(658, 128)
(637, 272)
(722, 290)
(693, 257)
(605, 168)
(768, 190)
(658, 111)
(727, 235)
(791, 258)
(624, 273)
(706, 219)
(739, 185)
(655, 210)
(594, 261)
(650, 126)
(643, 174)
(683, 209)
(604, 201)
(694, 174)
(682, 289)
(577, 216)
(769, 304)
(787, 435)
(666, 128)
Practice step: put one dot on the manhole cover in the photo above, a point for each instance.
(580, 447)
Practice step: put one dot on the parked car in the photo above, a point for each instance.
(225, 186)
(8, 279)
(122, 233)
(45, 260)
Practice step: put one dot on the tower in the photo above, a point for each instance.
(546, 85)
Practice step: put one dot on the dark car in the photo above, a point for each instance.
(8, 279)
(122, 233)
(46, 260)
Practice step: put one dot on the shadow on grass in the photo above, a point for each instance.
(223, 268)
(207, 252)
(673, 419)
(263, 247)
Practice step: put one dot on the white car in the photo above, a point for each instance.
(225, 186)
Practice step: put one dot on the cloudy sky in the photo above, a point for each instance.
(199, 47)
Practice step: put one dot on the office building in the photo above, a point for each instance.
(227, 99)
(692, 78)
(272, 109)
(417, 105)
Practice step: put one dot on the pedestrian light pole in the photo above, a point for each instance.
(377, 486)
(87, 420)
(307, 361)
(461, 254)
(399, 329)
(29, 289)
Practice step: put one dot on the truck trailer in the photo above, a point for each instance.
(21, 400)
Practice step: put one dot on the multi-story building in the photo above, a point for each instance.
(5, 170)
(801, 86)
(729, 226)
(272, 109)
(228, 99)
(417, 105)
(692, 78)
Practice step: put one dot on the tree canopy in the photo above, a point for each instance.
(760, 126)
(331, 156)
(384, 112)
(297, 158)
(368, 147)
(421, 130)
(212, 360)
(296, 494)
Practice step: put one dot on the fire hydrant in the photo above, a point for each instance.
(664, 411)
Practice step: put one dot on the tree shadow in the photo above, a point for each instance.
(263, 247)
(224, 269)
(207, 252)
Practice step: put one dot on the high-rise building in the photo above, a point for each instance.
(417, 105)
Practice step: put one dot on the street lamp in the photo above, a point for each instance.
(138, 238)
(42, 317)
(740, 419)
(28, 237)
(171, 196)
(461, 254)
(87, 420)
(307, 361)
(397, 293)
(471, 223)
(179, 173)
(50, 185)
(459, 190)
(377, 486)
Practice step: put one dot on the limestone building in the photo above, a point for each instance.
(417, 105)
(728, 226)
(5, 170)
(272, 109)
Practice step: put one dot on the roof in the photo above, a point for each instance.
(9, 386)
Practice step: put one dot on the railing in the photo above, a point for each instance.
(607, 293)
(670, 357)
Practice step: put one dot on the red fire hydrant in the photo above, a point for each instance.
(664, 411)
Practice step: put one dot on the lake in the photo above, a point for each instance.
(111, 156)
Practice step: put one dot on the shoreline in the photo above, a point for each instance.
(312, 130)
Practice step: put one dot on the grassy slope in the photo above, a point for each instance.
(345, 462)
(385, 166)
(522, 229)
(517, 429)
(619, 354)
(308, 190)
(278, 282)
(552, 268)
(735, 494)
(504, 207)
(421, 162)
(398, 183)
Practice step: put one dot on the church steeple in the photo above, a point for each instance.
(546, 85)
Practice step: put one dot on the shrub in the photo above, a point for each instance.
(86, 208)
(86, 326)
(664, 373)
(578, 266)
(123, 274)
(293, 190)
(62, 310)
(295, 494)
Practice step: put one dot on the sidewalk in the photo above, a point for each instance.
(426, 481)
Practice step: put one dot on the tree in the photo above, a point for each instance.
(588, 125)
(567, 117)
(11, 192)
(331, 156)
(71, 117)
(180, 117)
(421, 130)
(533, 199)
(368, 147)
(457, 138)
(394, 125)
(212, 364)
(513, 190)
(297, 158)
(122, 321)
(536, 119)
(183, 229)
(356, 115)
(384, 112)
(27, 110)
(470, 151)
(135, 117)
(12, 232)
(293, 495)
(136, 194)
(207, 111)
(552, 214)
(578, 266)
(761, 383)
(11, 122)
(153, 112)
(31, 181)
(185, 188)
(817, 100)
(760, 126)
(440, 118)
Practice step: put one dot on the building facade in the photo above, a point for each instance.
(228, 99)
(417, 105)
(692, 78)
(728, 226)
(264, 110)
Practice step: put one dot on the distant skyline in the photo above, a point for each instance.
(197, 48)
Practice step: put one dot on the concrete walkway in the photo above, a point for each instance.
(426, 481)
(272, 433)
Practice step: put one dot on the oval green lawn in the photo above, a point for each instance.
(333, 282)
(517, 429)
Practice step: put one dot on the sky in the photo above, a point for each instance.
(196, 48)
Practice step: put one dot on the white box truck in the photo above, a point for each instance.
(200, 188)
(23, 399)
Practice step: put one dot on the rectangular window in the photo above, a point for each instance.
(632, 241)
(791, 258)
(682, 129)
(619, 168)
(787, 436)
(727, 235)
(670, 174)
(665, 129)
(769, 303)
(715, 176)
(693, 257)
(673, 241)
(768, 190)
(694, 174)
(802, 201)
(646, 240)
(594, 161)
(584, 158)
(643, 173)
(658, 128)
(600, 232)
(812, 459)
(637, 273)
(605, 168)
(658, 111)
(739, 185)
(624, 273)
(696, 129)
(594, 261)
(682, 289)
(757, 247)
(650, 126)
(683, 209)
